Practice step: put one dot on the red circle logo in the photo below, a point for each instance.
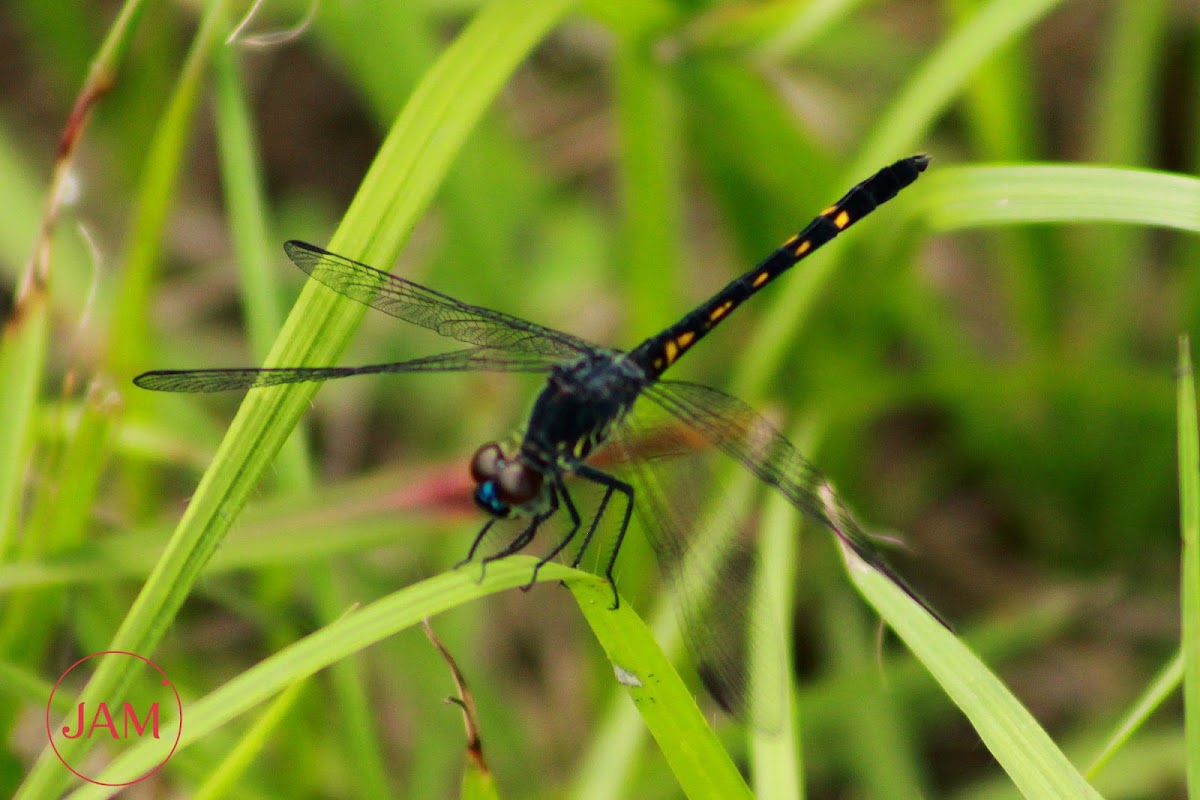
(113, 725)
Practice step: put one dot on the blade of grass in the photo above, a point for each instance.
(22, 363)
(242, 185)
(1121, 133)
(1001, 120)
(241, 179)
(22, 348)
(155, 197)
(350, 634)
(999, 112)
(967, 197)
(1023, 749)
(777, 757)
(665, 703)
(1158, 692)
(776, 31)
(1008, 636)
(396, 190)
(269, 536)
(615, 746)
(1189, 526)
(1120, 126)
(57, 522)
(356, 718)
(223, 781)
(648, 121)
(22, 358)
(26, 333)
(100, 78)
(870, 733)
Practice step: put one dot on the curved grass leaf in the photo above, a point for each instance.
(1023, 749)
(1189, 525)
(410, 165)
(696, 756)
(967, 197)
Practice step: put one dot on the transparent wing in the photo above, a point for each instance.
(707, 559)
(221, 380)
(744, 435)
(414, 303)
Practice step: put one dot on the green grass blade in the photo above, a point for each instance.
(649, 128)
(872, 731)
(60, 510)
(1023, 749)
(694, 753)
(352, 633)
(777, 756)
(777, 30)
(394, 194)
(1125, 98)
(1121, 133)
(1160, 690)
(612, 756)
(1000, 115)
(224, 780)
(998, 111)
(257, 258)
(1189, 526)
(967, 197)
(22, 359)
(156, 195)
(356, 717)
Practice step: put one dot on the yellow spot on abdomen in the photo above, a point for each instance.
(684, 339)
(802, 248)
(842, 220)
(761, 278)
(828, 211)
(672, 351)
(720, 310)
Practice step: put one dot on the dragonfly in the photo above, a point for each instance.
(585, 404)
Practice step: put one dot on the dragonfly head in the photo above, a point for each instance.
(502, 483)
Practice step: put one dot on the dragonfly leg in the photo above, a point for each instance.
(612, 484)
(576, 521)
(587, 539)
(478, 540)
(522, 540)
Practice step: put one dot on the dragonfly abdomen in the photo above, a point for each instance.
(659, 352)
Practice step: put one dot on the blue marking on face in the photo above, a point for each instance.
(489, 500)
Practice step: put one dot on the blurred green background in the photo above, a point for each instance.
(998, 395)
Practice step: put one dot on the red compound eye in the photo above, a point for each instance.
(518, 483)
(486, 463)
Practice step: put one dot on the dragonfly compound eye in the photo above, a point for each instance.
(486, 463)
(518, 483)
(488, 500)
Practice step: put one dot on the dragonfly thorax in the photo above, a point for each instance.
(578, 407)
